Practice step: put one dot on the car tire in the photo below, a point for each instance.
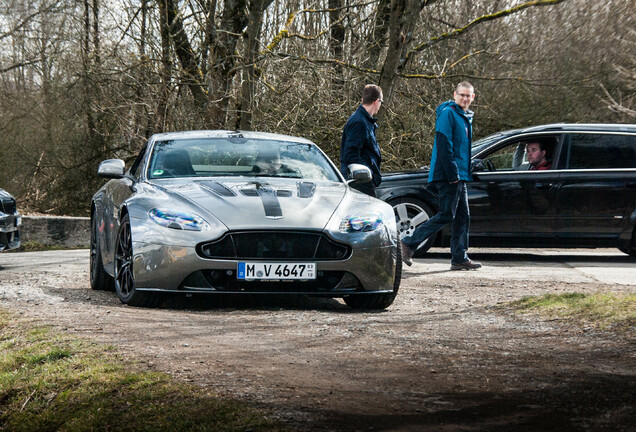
(124, 276)
(100, 280)
(378, 301)
(410, 213)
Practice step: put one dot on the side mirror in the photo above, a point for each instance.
(477, 165)
(111, 168)
(359, 173)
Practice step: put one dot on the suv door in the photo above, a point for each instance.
(511, 201)
(597, 195)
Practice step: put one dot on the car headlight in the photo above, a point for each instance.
(361, 223)
(178, 220)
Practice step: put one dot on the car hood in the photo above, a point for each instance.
(398, 175)
(255, 203)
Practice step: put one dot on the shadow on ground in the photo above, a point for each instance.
(602, 402)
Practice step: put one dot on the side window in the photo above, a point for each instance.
(503, 158)
(599, 151)
(514, 156)
(136, 167)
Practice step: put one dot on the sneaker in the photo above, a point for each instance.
(466, 265)
(407, 254)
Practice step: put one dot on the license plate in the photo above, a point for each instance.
(276, 271)
(18, 221)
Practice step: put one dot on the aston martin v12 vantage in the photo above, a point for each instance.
(222, 212)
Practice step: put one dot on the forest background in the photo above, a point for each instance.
(87, 80)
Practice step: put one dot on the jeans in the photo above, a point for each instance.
(453, 208)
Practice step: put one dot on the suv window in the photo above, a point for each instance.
(590, 151)
(513, 155)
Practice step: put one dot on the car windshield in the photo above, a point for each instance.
(213, 157)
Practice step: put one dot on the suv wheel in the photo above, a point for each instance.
(410, 213)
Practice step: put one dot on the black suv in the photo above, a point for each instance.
(10, 221)
(586, 199)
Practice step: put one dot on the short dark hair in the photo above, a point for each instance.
(371, 93)
(465, 84)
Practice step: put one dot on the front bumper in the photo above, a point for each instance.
(10, 231)
(181, 269)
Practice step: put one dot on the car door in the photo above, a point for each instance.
(118, 191)
(509, 201)
(597, 195)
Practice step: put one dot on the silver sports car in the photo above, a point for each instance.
(222, 212)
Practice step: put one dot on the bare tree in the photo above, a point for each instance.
(80, 83)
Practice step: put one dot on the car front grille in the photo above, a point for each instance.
(274, 245)
(7, 205)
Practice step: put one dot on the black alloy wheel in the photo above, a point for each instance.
(124, 276)
(124, 279)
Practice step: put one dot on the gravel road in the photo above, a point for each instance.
(442, 358)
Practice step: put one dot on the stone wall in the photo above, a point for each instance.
(56, 230)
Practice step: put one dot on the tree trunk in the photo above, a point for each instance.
(223, 58)
(337, 32)
(380, 29)
(184, 52)
(165, 72)
(248, 87)
(87, 71)
(404, 16)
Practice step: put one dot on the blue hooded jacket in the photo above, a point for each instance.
(450, 160)
(359, 144)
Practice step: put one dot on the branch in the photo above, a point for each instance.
(375, 71)
(326, 61)
(481, 19)
(613, 105)
(285, 34)
(50, 8)
(18, 65)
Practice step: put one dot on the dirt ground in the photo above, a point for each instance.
(442, 358)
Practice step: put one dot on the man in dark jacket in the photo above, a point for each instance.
(450, 170)
(359, 145)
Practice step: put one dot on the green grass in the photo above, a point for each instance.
(53, 382)
(600, 310)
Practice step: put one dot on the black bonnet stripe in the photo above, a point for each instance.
(270, 201)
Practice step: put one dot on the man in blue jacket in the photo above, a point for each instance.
(359, 145)
(450, 170)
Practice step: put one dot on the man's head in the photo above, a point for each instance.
(536, 153)
(372, 98)
(464, 94)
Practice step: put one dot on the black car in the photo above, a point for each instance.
(586, 199)
(10, 221)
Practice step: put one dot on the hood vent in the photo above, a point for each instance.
(306, 189)
(217, 188)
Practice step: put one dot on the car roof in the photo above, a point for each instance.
(228, 134)
(578, 127)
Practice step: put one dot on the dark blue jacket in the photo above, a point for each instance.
(359, 145)
(450, 160)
